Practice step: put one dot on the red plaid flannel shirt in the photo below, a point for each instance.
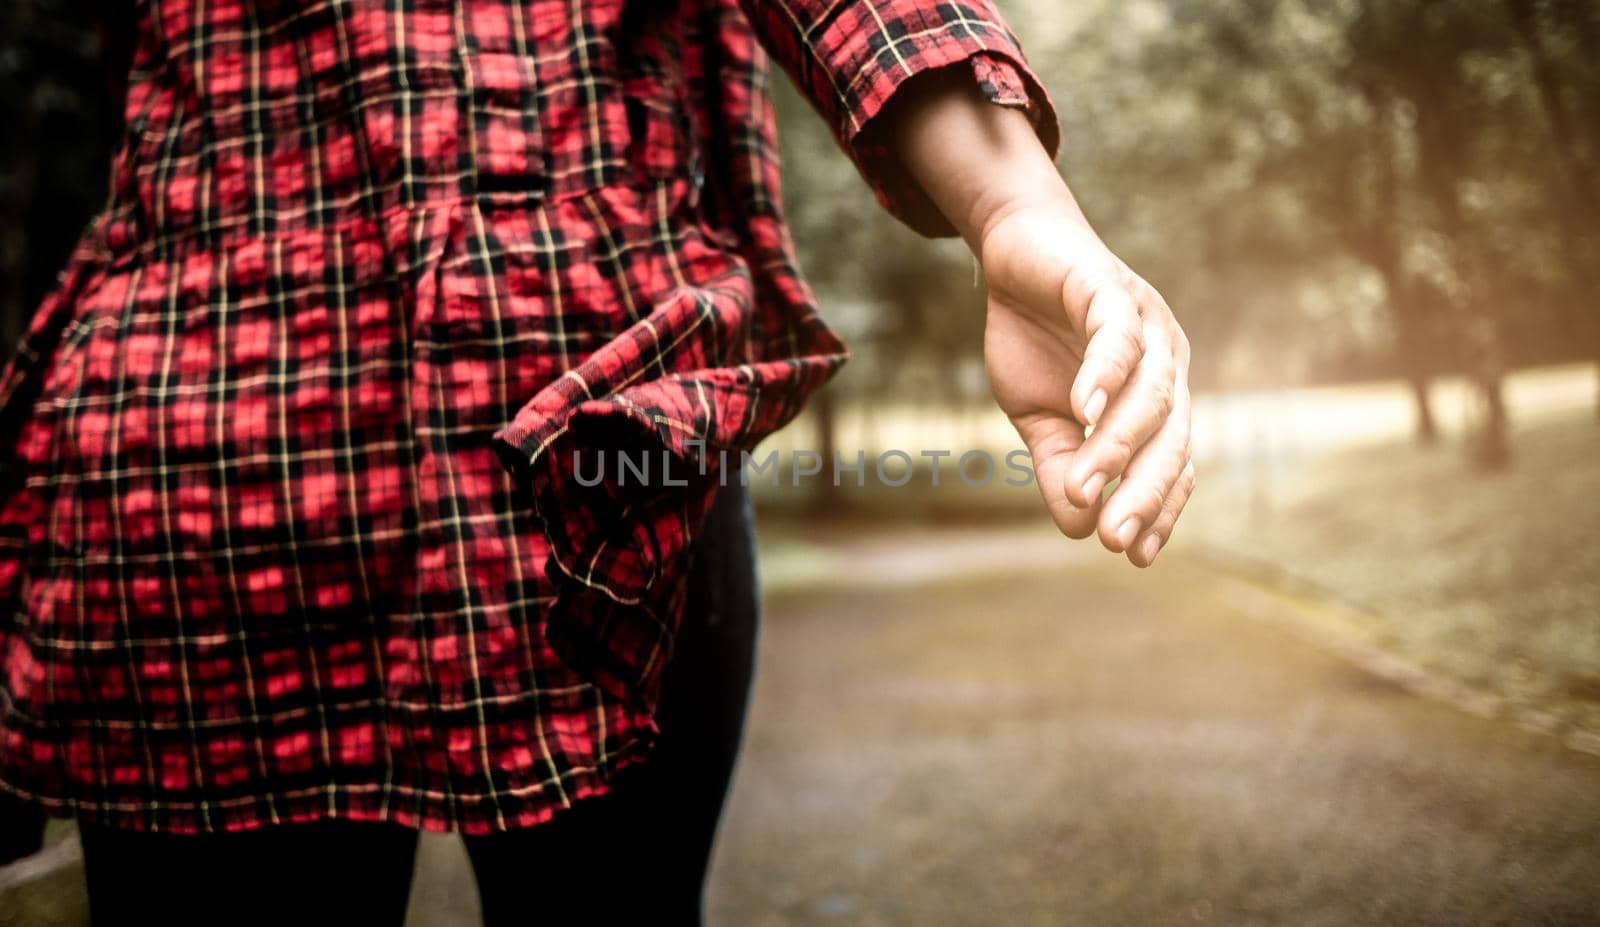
(289, 526)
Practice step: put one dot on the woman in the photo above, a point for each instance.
(295, 555)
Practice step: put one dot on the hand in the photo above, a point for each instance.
(1074, 338)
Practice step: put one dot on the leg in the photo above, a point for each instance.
(640, 853)
(324, 872)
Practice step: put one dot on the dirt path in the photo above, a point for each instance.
(1097, 746)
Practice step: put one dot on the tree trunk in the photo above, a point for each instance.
(1427, 426)
(1412, 304)
(1491, 446)
(1572, 156)
(1493, 451)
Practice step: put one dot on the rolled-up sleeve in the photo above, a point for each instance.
(849, 57)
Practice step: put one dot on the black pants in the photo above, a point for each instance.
(637, 855)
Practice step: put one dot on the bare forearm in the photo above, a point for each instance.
(975, 160)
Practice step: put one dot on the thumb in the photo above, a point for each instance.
(1052, 439)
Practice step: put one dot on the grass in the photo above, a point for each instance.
(1491, 579)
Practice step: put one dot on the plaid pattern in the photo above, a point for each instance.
(289, 527)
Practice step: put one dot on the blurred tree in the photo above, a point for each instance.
(1407, 135)
(1410, 55)
(1561, 39)
(1322, 188)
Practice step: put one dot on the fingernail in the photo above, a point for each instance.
(1093, 485)
(1095, 406)
(1129, 531)
(1151, 547)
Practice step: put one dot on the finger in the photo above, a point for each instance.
(1135, 414)
(1052, 439)
(1150, 476)
(1115, 343)
(1144, 550)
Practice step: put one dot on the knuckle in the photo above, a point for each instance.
(1162, 399)
(1136, 342)
(1122, 446)
(1125, 344)
(1176, 462)
(1135, 284)
(1181, 436)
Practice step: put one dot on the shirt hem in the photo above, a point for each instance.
(408, 806)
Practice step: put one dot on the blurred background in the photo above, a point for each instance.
(1362, 686)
